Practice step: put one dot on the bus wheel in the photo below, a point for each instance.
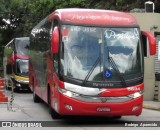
(53, 113)
(36, 99)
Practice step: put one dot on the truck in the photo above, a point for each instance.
(15, 64)
(89, 62)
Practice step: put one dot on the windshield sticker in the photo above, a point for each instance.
(110, 34)
(84, 29)
(108, 73)
(65, 38)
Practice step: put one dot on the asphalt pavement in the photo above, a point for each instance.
(20, 113)
(154, 105)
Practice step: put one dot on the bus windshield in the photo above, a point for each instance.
(105, 57)
(21, 67)
(22, 46)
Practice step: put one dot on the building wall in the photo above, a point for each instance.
(149, 22)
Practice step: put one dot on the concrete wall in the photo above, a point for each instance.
(147, 21)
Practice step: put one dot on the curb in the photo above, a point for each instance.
(151, 107)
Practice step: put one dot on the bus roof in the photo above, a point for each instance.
(94, 17)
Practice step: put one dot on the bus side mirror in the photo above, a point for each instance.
(151, 39)
(55, 40)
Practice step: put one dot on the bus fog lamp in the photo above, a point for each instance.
(68, 107)
(135, 108)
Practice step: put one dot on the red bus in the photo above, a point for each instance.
(16, 63)
(89, 62)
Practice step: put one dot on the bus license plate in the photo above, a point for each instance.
(103, 109)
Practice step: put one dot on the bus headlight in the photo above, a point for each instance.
(136, 94)
(68, 93)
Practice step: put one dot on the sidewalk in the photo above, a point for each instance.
(154, 105)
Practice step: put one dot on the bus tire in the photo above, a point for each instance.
(53, 113)
(36, 98)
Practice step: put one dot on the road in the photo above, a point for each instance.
(23, 109)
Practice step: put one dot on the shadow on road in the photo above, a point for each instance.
(86, 121)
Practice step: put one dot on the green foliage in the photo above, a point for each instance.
(70, 3)
(8, 51)
(4, 5)
(29, 12)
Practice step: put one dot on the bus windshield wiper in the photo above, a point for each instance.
(113, 64)
(114, 67)
(91, 70)
(117, 70)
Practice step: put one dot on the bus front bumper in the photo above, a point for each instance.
(21, 82)
(68, 106)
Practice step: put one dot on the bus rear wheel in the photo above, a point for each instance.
(36, 98)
